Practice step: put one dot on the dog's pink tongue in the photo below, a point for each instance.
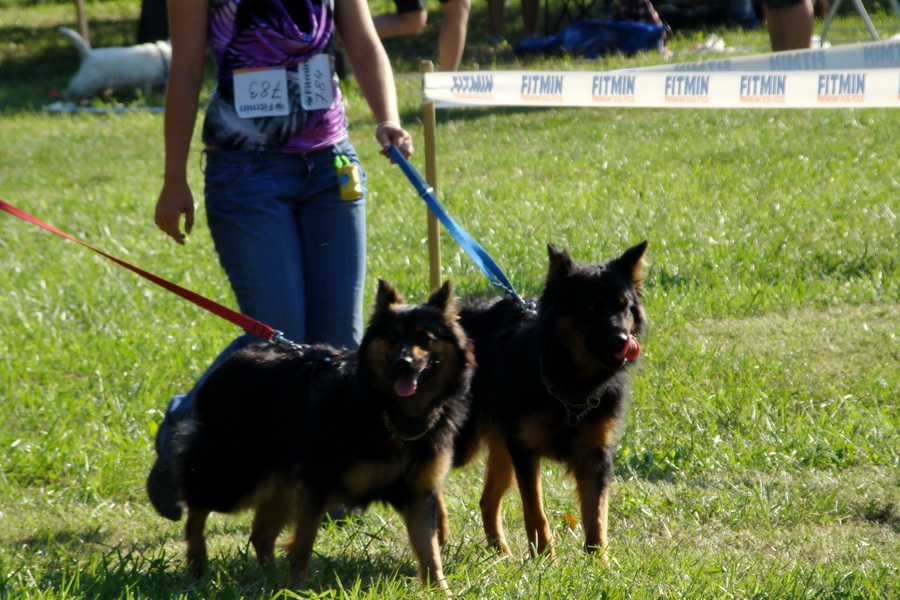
(405, 385)
(631, 350)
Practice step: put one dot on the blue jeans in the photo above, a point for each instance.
(294, 252)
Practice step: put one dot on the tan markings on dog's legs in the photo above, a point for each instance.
(498, 477)
(589, 437)
(593, 472)
(604, 527)
(443, 520)
(420, 519)
(196, 540)
(308, 519)
(270, 518)
(366, 475)
(431, 477)
(593, 495)
(528, 473)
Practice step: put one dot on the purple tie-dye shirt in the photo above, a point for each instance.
(265, 33)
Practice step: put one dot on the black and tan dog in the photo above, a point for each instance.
(553, 384)
(295, 434)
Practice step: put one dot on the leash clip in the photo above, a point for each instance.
(530, 306)
(322, 355)
(278, 338)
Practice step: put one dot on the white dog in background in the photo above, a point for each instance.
(144, 65)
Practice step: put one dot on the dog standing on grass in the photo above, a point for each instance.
(295, 434)
(553, 384)
(143, 65)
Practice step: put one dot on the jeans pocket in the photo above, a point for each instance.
(225, 167)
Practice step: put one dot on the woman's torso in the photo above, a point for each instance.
(275, 84)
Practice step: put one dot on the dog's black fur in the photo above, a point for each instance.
(553, 384)
(294, 435)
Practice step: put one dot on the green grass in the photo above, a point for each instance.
(761, 456)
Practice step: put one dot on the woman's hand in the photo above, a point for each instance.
(390, 133)
(175, 201)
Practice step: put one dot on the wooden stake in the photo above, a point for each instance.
(81, 17)
(434, 235)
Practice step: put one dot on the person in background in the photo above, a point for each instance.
(496, 13)
(411, 17)
(790, 23)
(289, 236)
(741, 13)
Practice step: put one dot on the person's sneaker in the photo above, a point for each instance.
(162, 492)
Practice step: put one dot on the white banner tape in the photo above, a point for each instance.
(798, 89)
(871, 55)
(861, 75)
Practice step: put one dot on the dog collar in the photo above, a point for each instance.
(572, 418)
(399, 437)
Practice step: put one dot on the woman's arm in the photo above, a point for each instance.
(373, 72)
(187, 30)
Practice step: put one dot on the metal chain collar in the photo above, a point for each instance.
(405, 438)
(572, 419)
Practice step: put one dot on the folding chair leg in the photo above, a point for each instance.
(861, 10)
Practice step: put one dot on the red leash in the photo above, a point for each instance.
(250, 325)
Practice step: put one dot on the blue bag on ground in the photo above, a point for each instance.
(592, 39)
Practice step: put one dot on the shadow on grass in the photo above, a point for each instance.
(63, 538)
(878, 512)
(234, 576)
(84, 564)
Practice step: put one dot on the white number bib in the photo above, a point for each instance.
(261, 92)
(316, 90)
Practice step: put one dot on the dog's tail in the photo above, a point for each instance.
(80, 43)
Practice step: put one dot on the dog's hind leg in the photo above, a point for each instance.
(498, 478)
(309, 515)
(196, 540)
(270, 518)
(421, 524)
(528, 474)
(443, 520)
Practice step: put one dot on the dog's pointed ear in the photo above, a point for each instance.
(632, 262)
(561, 264)
(386, 296)
(444, 300)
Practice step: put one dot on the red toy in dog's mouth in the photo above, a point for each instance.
(406, 385)
(631, 350)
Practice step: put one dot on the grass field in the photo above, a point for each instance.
(761, 457)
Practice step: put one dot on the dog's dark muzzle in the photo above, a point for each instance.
(619, 346)
(408, 373)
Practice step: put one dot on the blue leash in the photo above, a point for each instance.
(462, 237)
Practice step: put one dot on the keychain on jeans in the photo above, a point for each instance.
(348, 178)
